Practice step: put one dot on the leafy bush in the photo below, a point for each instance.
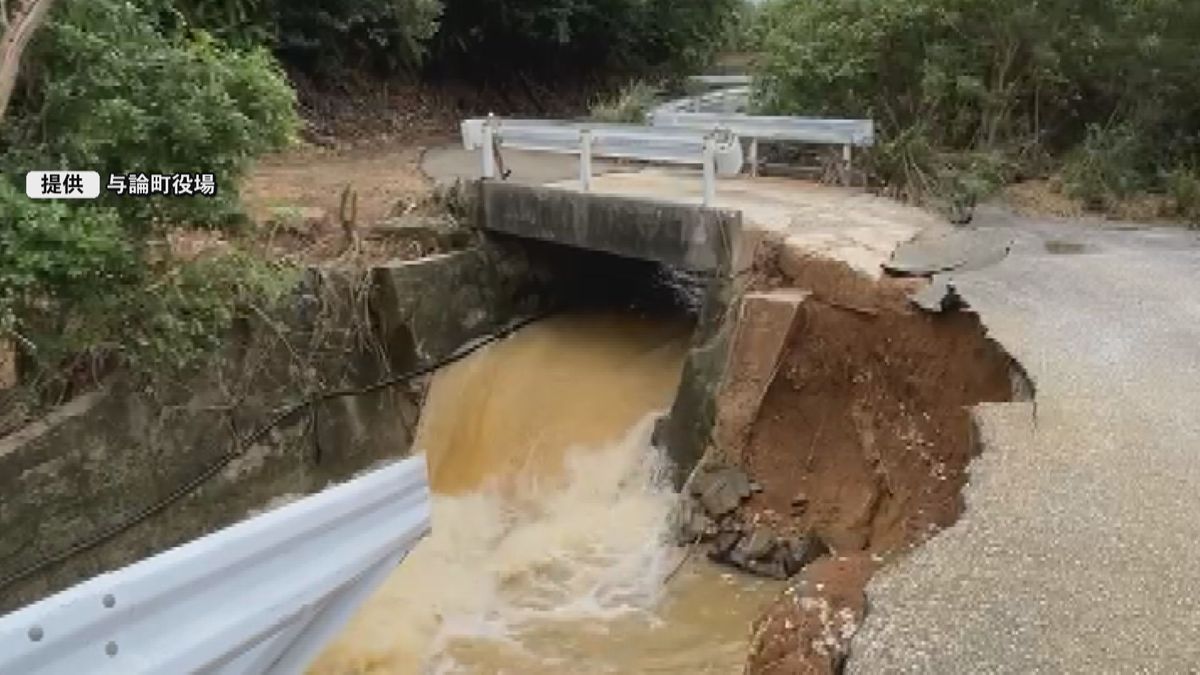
(106, 88)
(109, 91)
(186, 311)
(630, 105)
(329, 36)
(993, 75)
(743, 27)
(52, 255)
(499, 39)
(1106, 167)
(385, 35)
(505, 37)
(1183, 189)
(73, 283)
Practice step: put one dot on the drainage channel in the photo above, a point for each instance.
(549, 551)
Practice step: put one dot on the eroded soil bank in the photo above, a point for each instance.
(850, 447)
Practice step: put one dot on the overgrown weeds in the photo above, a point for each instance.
(1106, 168)
(1183, 190)
(630, 105)
(963, 91)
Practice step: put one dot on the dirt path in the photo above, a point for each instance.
(294, 200)
(386, 175)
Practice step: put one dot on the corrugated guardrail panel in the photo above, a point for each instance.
(806, 129)
(261, 596)
(671, 145)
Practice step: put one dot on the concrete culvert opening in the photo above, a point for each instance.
(588, 281)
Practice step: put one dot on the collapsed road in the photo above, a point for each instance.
(1074, 552)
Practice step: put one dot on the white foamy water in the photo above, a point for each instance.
(549, 551)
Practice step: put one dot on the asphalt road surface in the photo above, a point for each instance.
(1078, 550)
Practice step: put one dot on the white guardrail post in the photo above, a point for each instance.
(839, 132)
(847, 155)
(585, 159)
(718, 151)
(488, 147)
(710, 170)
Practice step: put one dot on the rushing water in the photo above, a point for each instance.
(548, 550)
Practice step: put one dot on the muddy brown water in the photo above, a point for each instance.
(548, 552)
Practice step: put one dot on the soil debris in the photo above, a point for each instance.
(810, 628)
(859, 439)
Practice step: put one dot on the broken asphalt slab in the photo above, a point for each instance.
(1076, 551)
(946, 251)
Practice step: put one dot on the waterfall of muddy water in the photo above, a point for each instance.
(548, 552)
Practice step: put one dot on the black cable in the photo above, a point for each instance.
(103, 535)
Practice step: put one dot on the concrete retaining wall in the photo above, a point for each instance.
(687, 431)
(111, 454)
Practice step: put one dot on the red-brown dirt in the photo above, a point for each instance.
(808, 630)
(863, 439)
(867, 424)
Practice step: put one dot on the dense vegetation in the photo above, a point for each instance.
(106, 87)
(986, 91)
(498, 39)
(968, 95)
(170, 86)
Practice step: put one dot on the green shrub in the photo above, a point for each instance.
(629, 105)
(334, 35)
(52, 256)
(108, 91)
(1183, 189)
(1106, 168)
(502, 38)
(320, 36)
(186, 311)
(994, 76)
(74, 285)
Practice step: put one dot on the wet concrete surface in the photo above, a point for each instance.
(1076, 550)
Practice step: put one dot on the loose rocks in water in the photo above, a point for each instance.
(692, 523)
(721, 490)
(802, 550)
(711, 515)
(763, 552)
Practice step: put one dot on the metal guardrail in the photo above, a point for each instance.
(727, 101)
(717, 151)
(721, 80)
(704, 129)
(846, 133)
(806, 129)
(262, 596)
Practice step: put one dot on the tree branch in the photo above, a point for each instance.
(18, 31)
